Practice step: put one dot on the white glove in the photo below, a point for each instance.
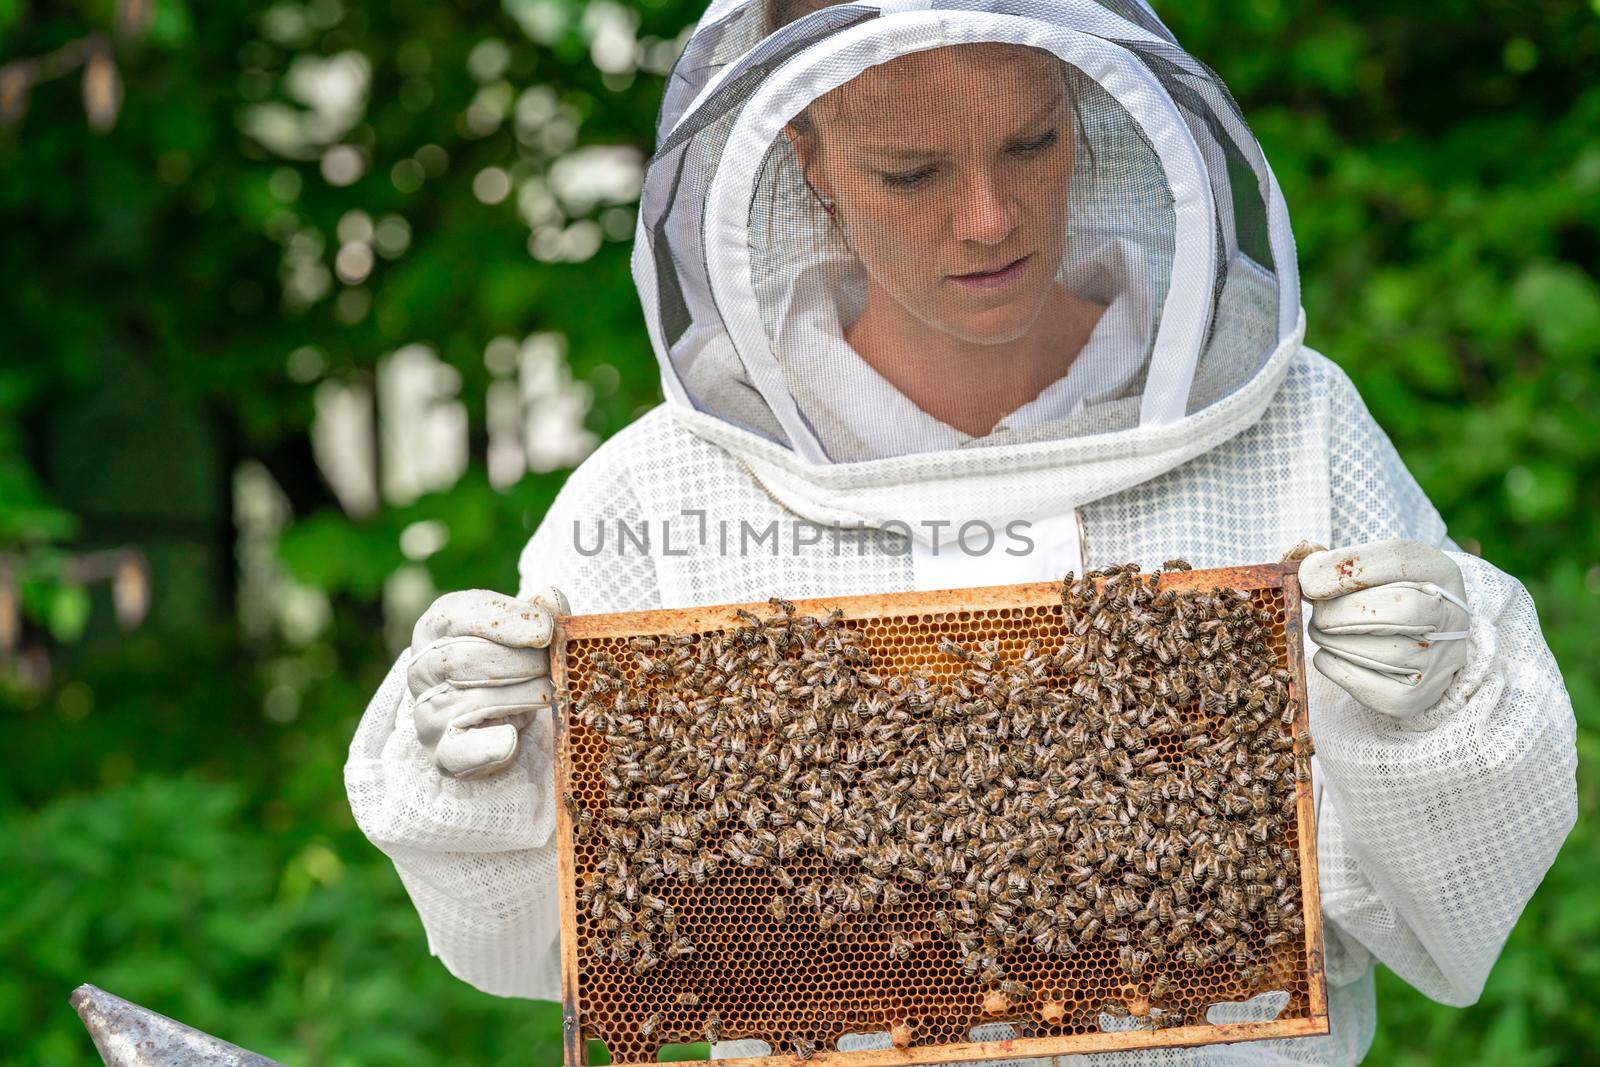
(1390, 620)
(480, 668)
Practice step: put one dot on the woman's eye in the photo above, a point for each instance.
(907, 179)
(911, 178)
(1037, 144)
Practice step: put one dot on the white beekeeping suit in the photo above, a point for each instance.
(1127, 228)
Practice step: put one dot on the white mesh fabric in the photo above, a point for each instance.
(473, 855)
(1027, 479)
(1163, 212)
(478, 856)
(1446, 803)
(1432, 835)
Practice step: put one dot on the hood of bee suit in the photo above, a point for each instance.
(1166, 215)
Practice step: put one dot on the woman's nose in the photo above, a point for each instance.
(986, 211)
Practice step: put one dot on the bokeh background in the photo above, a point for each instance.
(306, 309)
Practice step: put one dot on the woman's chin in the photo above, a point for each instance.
(995, 326)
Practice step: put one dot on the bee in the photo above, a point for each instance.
(713, 1028)
(899, 946)
(1162, 1018)
(803, 1047)
(688, 1000)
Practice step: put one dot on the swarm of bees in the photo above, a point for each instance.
(1127, 790)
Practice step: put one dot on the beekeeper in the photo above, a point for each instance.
(971, 292)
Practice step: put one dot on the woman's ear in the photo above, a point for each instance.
(805, 150)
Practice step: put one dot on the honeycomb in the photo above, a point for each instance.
(796, 985)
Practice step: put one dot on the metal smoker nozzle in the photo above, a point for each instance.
(127, 1035)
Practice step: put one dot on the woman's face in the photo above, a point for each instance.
(949, 171)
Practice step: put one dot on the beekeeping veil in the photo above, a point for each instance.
(1166, 223)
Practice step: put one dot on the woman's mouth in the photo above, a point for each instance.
(1000, 278)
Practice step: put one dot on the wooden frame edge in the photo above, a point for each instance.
(575, 1049)
(1305, 800)
(625, 624)
(1036, 1047)
(911, 602)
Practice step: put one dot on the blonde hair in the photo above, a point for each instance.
(780, 13)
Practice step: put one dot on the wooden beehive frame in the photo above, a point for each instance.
(577, 629)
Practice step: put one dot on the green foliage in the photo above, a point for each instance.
(176, 824)
(328, 550)
(297, 943)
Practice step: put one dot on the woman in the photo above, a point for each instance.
(948, 296)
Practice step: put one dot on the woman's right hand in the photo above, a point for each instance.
(480, 668)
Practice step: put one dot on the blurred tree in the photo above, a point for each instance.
(222, 218)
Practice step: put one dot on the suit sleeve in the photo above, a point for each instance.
(1435, 832)
(478, 857)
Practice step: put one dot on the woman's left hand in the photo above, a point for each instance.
(1390, 621)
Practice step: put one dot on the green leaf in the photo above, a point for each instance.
(1540, 492)
(684, 1053)
(1561, 303)
(330, 551)
(170, 25)
(69, 612)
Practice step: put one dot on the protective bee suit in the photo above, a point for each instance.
(792, 457)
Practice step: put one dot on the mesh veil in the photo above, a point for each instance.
(1166, 231)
